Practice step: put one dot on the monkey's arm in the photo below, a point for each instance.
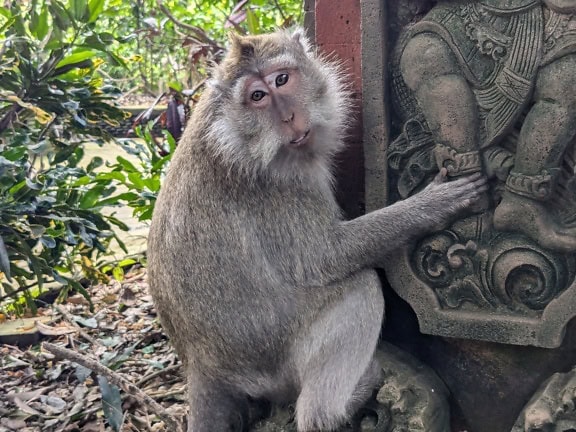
(365, 241)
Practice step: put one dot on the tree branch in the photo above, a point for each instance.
(199, 34)
(171, 423)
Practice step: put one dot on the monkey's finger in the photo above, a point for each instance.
(441, 176)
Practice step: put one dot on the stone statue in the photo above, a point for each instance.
(474, 69)
(489, 85)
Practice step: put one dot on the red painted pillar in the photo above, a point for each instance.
(337, 30)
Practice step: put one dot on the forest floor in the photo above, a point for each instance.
(41, 392)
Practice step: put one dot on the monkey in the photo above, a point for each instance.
(264, 289)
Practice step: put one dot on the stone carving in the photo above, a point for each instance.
(412, 398)
(552, 408)
(488, 85)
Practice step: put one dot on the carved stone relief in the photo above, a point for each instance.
(490, 86)
(552, 408)
(411, 398)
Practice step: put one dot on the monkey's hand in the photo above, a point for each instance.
(441, 200)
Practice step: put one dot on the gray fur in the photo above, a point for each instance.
(263, 289)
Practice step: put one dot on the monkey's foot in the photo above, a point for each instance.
(279, 419)
(532, 218)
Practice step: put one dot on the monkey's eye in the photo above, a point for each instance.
(257, 95)
(281, 80)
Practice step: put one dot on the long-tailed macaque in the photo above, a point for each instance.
(263, 288)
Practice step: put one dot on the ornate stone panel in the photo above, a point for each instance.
(489, 86)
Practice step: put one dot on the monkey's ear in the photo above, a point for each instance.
(299, 36)
(239, 46)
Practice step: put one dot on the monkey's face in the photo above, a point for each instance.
(274, 97)
(283, 106)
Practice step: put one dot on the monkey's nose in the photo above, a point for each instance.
(288, 118)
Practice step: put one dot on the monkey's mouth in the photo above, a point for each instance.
(300, 141)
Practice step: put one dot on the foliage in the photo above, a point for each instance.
(142, 180)
(52, 98)
(175, 40)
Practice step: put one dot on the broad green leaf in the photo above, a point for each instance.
(144, 215)
(59, 15)
(40, 27)
(252, 22)
(82, 181)
(78, 9)
(5, 12)
(95, 8)
(90, 199)
(136, 179)
(126, 164)
(76, 58)
(127, 262)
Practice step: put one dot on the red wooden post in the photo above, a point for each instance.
(337, 30)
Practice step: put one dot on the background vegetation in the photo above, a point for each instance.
(64, 68)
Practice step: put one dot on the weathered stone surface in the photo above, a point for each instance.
(375, 112)
(482, 86)
(552, 408)
(411, 398)
(509, 280)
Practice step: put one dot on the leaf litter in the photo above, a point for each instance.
(41, 393)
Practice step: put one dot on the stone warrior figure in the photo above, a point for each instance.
(463, 77)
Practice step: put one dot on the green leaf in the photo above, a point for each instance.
(78, 9)
(127, 262)
(77, 57)
(252, 22)
(82, 181)
(118, 273)
(41, 28)
(114, 175)
(90, 199)
(60, 15)
(126, 164)
(96, 162)
(144, 215)
(5, 12)
(95, 8)
(7, 24)
(137, 181)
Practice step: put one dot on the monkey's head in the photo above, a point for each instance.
(279, 110)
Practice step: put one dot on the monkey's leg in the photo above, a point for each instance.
(334, 357)
(213, 407)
